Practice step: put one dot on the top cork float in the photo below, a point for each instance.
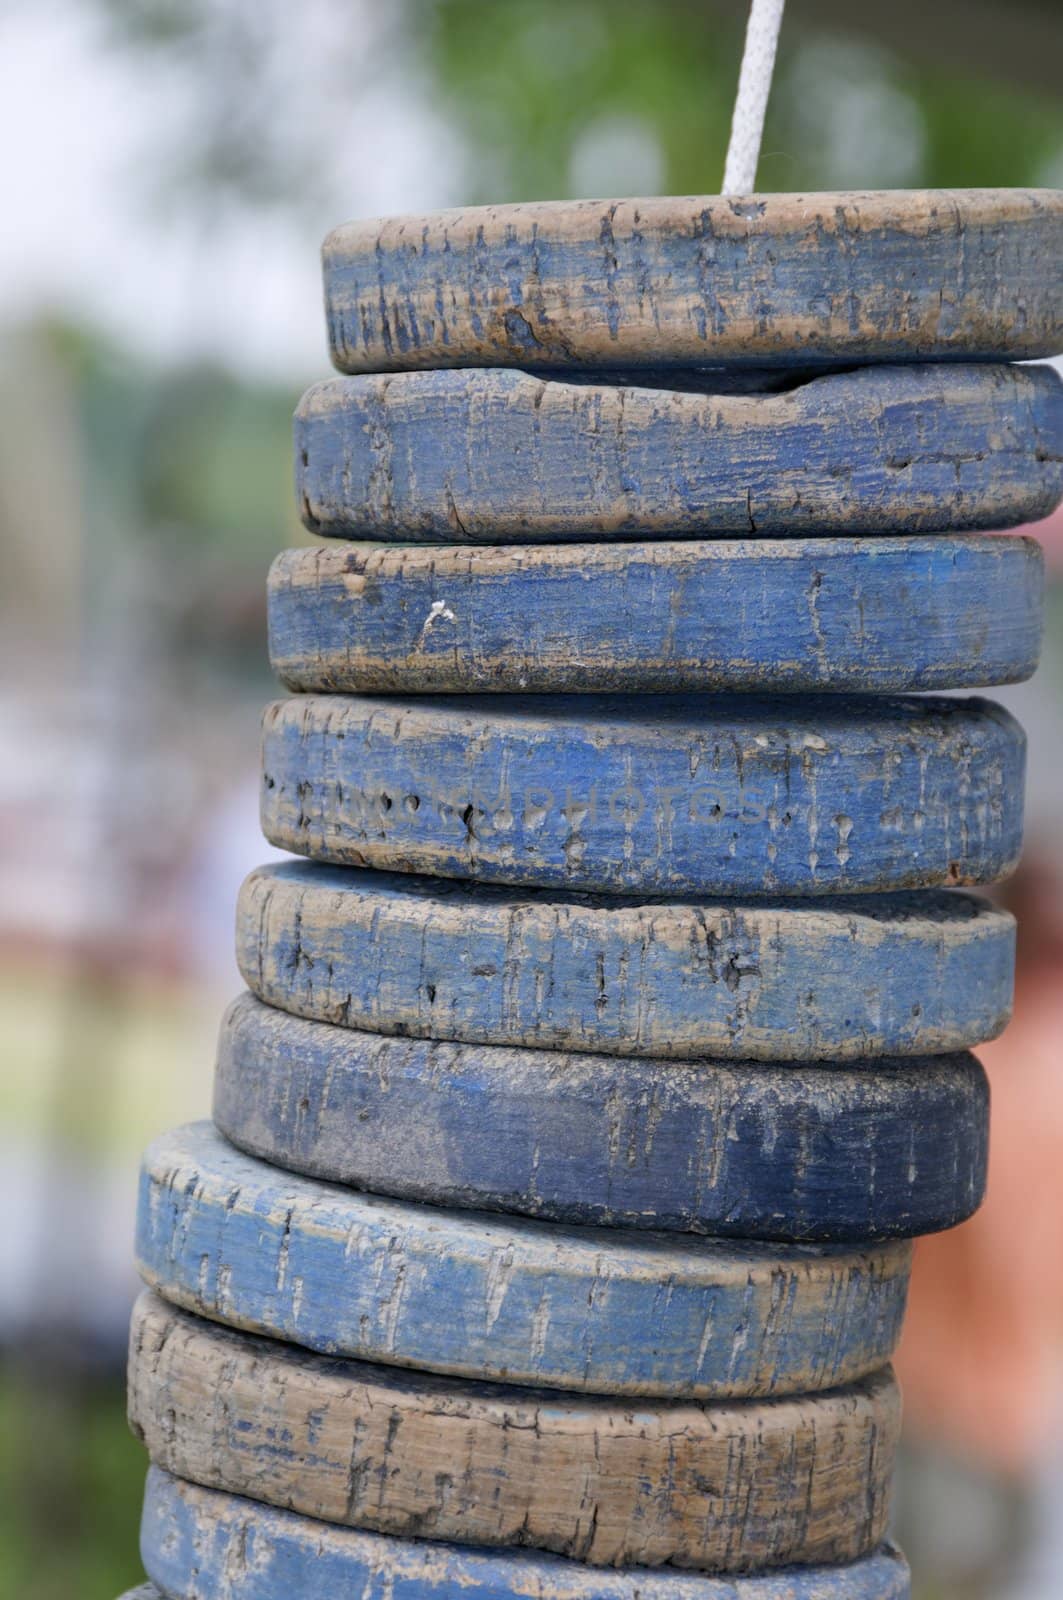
(790, 280)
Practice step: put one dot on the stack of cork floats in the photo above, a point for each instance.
(611, 1043)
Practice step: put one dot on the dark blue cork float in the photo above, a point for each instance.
(759, 1151)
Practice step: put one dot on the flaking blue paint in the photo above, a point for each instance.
(792, 280)
(709, 795)
(199, 1544)
(606, 1312)
(845, 979)
(492, 456)
(805, 614)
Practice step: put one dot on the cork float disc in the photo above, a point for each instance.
(489, 457)
(740, 1150)
(783, 279)
(732, 1487)
(509, 1300)
(848, 979)
(811, 615)
(709, 795)
(194, 1542)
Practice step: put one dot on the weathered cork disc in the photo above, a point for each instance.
(725, 1488)
(200, 1544)
(746, 1150)
(786, 279)
(921, 973)
(622, 1313)
(811, 614)
(491, 456)
(710, 795)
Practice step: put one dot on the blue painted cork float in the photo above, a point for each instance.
(195, 1542)
(609, 1042)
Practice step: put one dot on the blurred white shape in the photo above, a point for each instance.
(65, 1258)
(101, 232)
(863, 129)
(230, 848)
(616, 155)
(1040, 1560)
(1049, 174)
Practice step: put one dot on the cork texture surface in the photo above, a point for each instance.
(790, 279)
(729, 1488)
(199, 1544)
(718, 795)
(492, 456)
(470, 1295)
(836, 615)
(834, 979)
(742, 1150)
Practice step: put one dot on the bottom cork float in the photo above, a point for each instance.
(198, 1544)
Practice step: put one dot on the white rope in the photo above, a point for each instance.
(754, 86)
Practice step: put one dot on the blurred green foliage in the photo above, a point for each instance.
(193, 452)
(215, 461)
(184, 480)
(533, 86)
(526, 79)
(71, 1482)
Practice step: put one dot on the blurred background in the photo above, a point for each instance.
(171, 167)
